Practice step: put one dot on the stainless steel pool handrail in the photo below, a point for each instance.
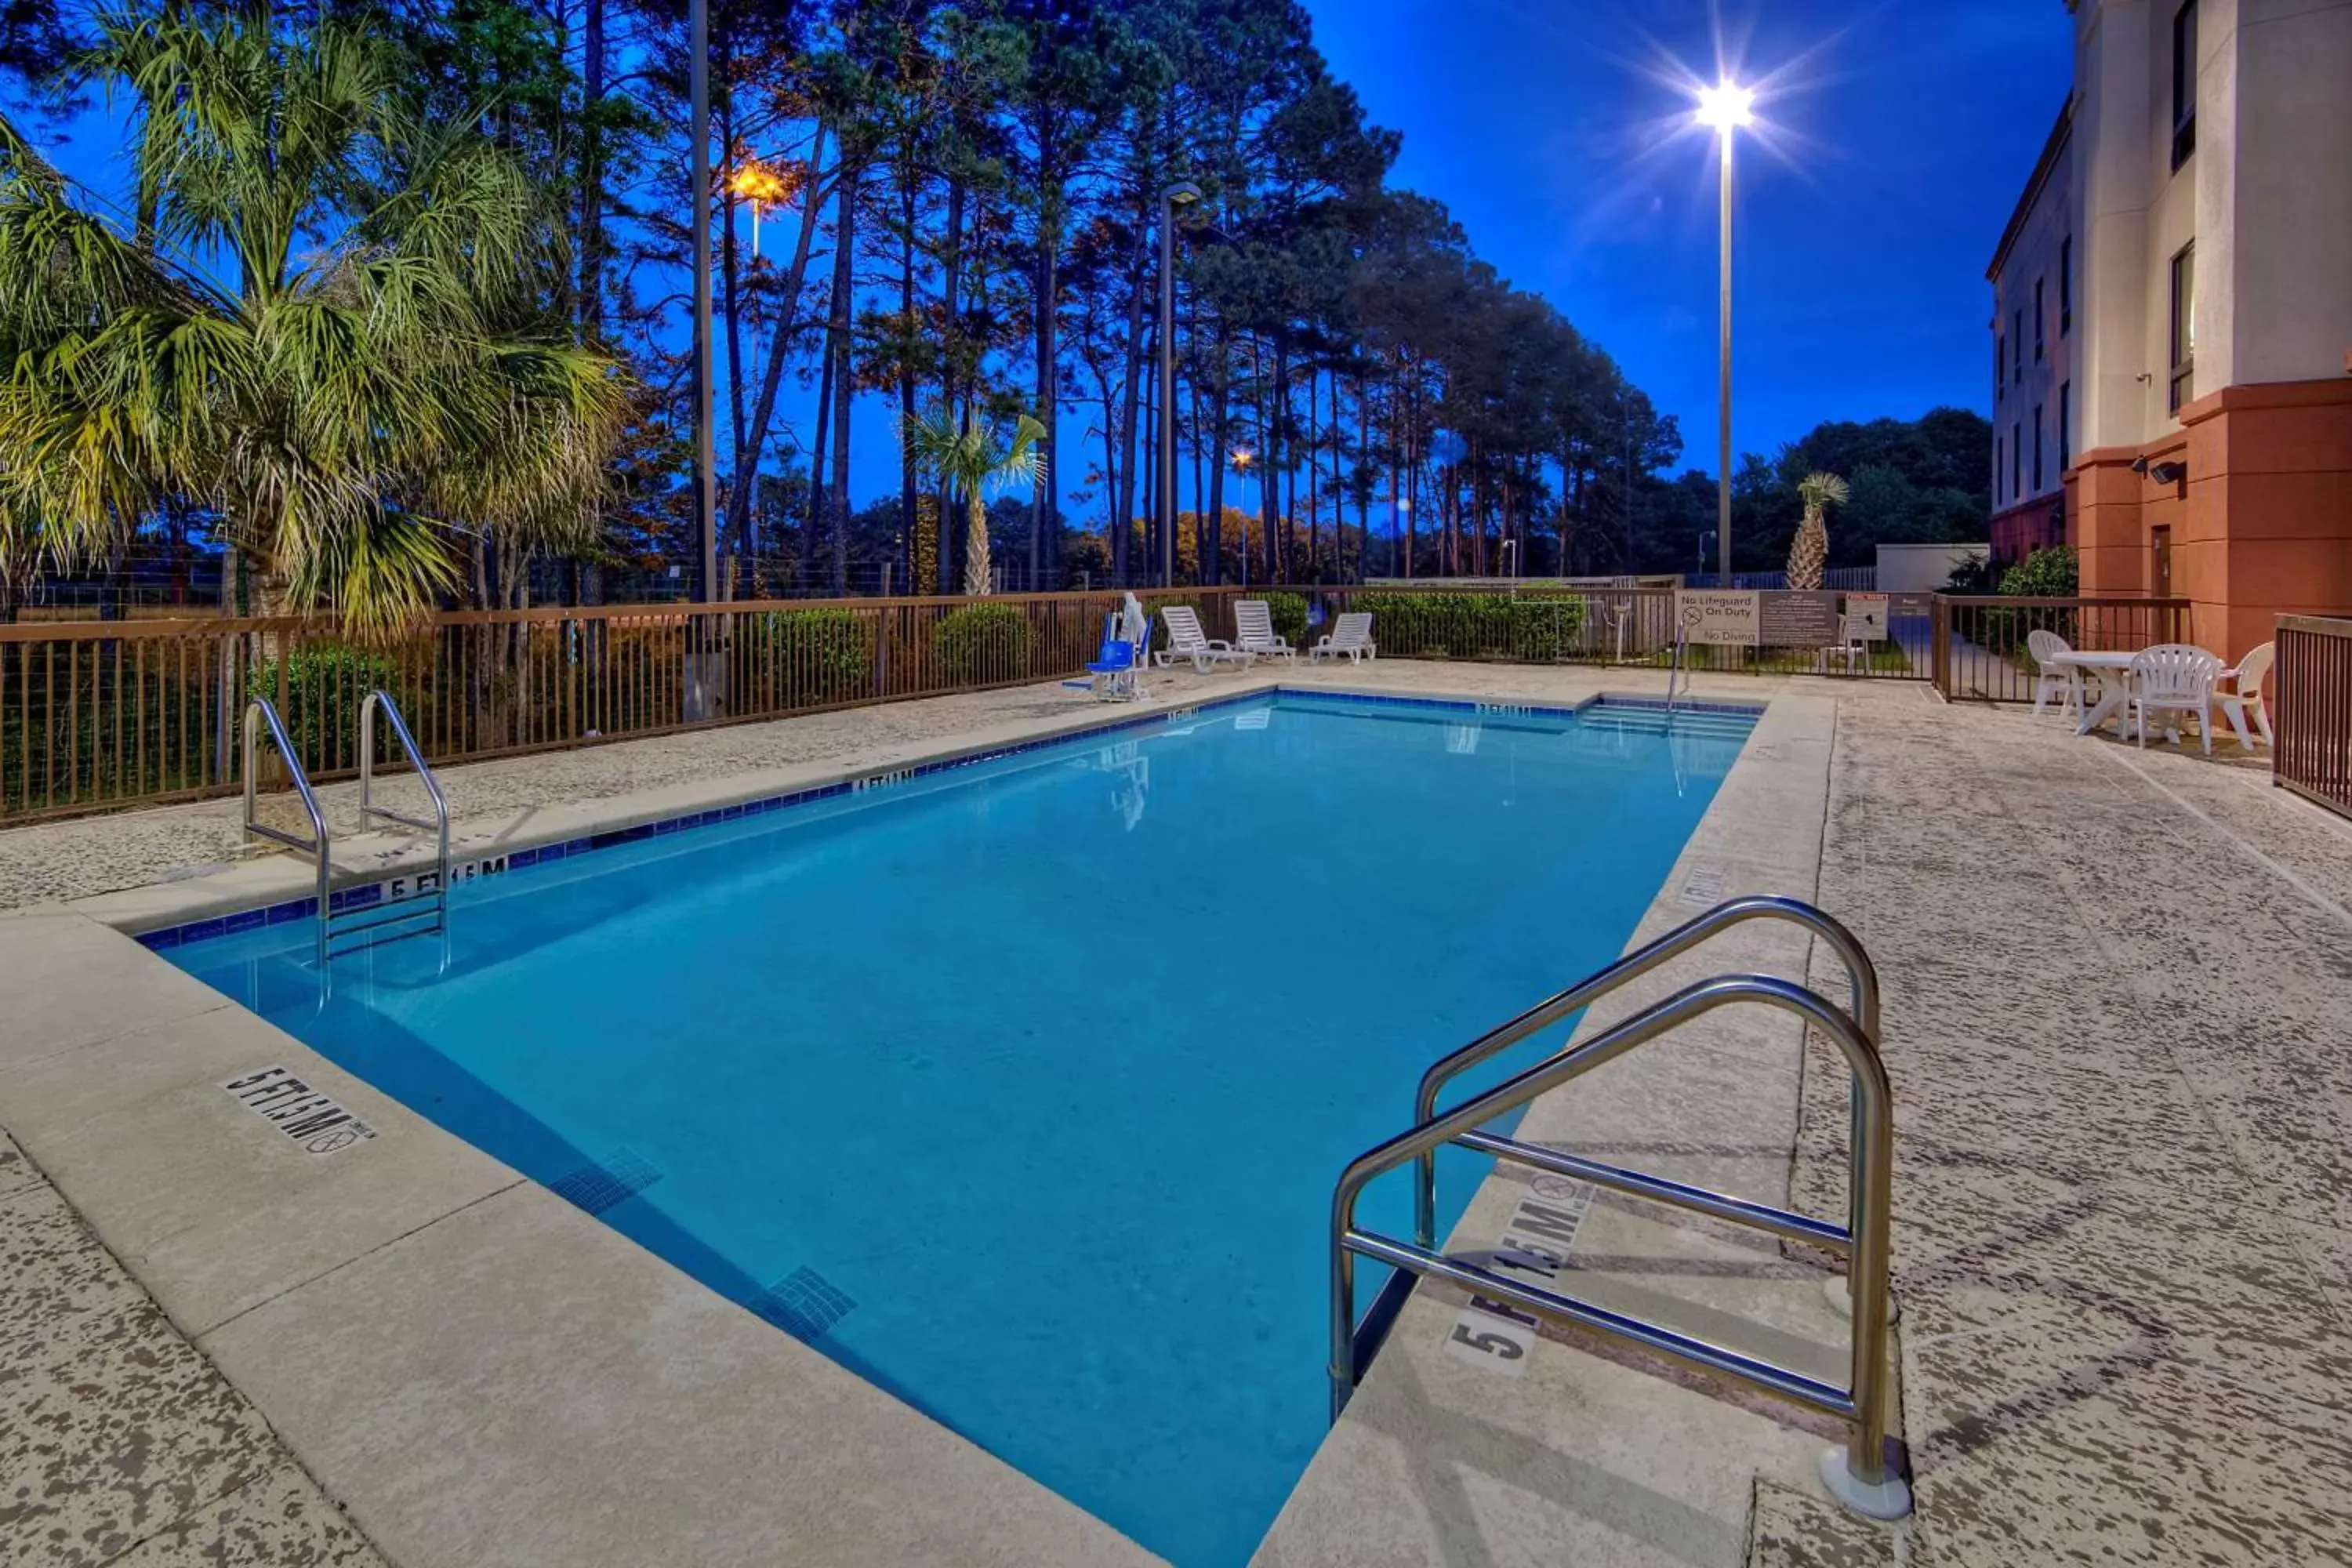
(1862, 1477)
(1861, 975)
(257, 711)
(380, 700)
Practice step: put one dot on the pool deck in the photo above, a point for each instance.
(2123, 1227)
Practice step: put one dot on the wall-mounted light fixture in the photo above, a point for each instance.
(2169, 473)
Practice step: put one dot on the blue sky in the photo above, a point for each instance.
(1895, 139)
(1898, 137)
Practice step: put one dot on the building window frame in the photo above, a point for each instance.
(2180, 380)
(1999, 367)
(2065, 285)
(2184, 82)
(2037, 448)
(2065, 433)
(2016, 460)
(2017, 346)
(1999, 460)
(2041, 319)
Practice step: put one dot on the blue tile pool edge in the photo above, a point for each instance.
(364, 894)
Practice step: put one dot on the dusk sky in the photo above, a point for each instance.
(1896, 138)
(1893, 140)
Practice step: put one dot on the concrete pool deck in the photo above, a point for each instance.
(2114, 992)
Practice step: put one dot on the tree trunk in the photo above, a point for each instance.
(1124, 514)
(975, 544)
(908, 478)
(845, 377)
(950, 297)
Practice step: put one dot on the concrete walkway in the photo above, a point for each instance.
(2116, 1001)
(2116, 987)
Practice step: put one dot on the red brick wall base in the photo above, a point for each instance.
(2262, 521)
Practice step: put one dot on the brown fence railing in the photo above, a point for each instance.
(98, 714)
(1979, 643)
(2311, 709)
(1606, 626)
(107, 713)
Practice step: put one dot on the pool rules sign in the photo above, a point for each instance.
(1726, 617)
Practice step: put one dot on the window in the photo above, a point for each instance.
(2184, 83)
(1999, 367)
(1998, 452)
(2065, 285)
(2039, 315)
(2184, 329)
(2016, 460)
(2017, 346)
(2159, 573)
(2037, 448)
(2066, 441)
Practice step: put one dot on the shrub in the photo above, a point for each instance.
(2050, 572)
(1289, 612)
(1542, 628)
(983, 643)
(815, 656)
(325, 686)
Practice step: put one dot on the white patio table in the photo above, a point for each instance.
(2114, 687)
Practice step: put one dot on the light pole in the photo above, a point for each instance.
(1723, 109)
(1243, 458)
(1183, 193)
(706, 480)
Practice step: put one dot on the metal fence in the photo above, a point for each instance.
(101, 714)
(1979, 643)
(2311, 709)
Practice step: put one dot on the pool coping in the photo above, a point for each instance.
(314, 1282)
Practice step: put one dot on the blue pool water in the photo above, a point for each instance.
(1020, 1088)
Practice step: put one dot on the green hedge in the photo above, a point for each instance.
(1538, 628)
(1289, 612)
(815, 656)
(983, 643)
(325, 687)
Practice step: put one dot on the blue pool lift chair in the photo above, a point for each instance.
(1114, 676)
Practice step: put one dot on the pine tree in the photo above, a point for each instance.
(1808, 556)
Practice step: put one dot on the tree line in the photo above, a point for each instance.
(959, 208)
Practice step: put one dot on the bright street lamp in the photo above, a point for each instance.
(1723, 109)
(1182, 194)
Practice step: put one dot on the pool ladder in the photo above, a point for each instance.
(1861, 1475)
(422, 913)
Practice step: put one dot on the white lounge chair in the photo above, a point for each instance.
(1253, 630)
(2066, 679)
(1352, 635)
(2244, 694)
(2172, 678)
(1187, 640)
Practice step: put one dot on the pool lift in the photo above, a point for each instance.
(1116, 675)
(416, 905)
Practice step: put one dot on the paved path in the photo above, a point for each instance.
(2116, 987)
(120, 1442)
(2116, 984)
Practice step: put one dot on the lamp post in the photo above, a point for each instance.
(1243, 458)
(706, 480)
(1182, 193)
(1723, 109)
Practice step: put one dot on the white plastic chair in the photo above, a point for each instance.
(1253, 630)
(1187, 640)
(2047, 647)
(2244, 694)
(2172, 678)
(1352, 635)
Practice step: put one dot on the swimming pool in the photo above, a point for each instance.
(1019, 1087)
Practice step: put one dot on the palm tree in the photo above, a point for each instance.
(974, 458)
(1809, 555)
(377, 378)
